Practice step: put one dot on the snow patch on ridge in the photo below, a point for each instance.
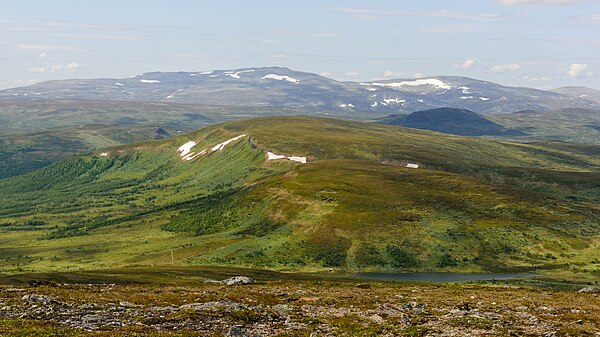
(398, 85)
(202, 73)
(220, 146)
(465, 90)
(150, 81)
(186, 153)
(273, 156)
(393, 100)
(186, 148)
(173, 94)
(237, 74)
(280, 78)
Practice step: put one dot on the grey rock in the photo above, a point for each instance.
(376, 319)
(283, 309)
(236, 331)
(589, 290)
(238, 280)
(126, 304)
(34, 298)
(165, 309)
(213, 306)
(91, 318)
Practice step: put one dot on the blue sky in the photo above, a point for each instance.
(538, 43)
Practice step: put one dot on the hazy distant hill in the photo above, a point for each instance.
(283, 87)
(572, 125)
(449, 120)
(21, 152)
(580, 92)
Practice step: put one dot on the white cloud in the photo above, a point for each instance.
(352, 73)
(370, 14)
(588, 18)
(279, 56)
(55, 68)
(449, 29)
(42, 55)
(323, 35)
(391, 74)
(39, 69)
(578, 69)
(269, 41)
(43, 47)
(99, 37)
(73, 66)
(536, 78)
(502, 68)
(468, 64)
(538, 2)
(325, 73)
(418, 75)
(326, 35)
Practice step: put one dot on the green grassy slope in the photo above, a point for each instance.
(472, 205)
(571, 125)
(47, 114)
(22, 152)
(34, 134)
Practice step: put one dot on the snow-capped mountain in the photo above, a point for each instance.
(277, 86)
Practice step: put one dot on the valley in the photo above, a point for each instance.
(311, 168)
(473, 205)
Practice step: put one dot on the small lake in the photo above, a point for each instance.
(440, 277)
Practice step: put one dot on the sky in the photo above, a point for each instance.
(535, 43)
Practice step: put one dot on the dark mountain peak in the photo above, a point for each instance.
(449, 120)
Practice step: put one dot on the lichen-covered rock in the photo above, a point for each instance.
(238, 280)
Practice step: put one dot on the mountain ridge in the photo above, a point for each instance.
(284, 87)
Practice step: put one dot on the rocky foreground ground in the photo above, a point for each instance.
(297, 308)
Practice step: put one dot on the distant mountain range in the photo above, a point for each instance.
(283, 87)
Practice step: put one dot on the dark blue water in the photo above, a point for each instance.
(440, 277)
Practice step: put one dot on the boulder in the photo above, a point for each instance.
(589, 290)
(238, 280)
